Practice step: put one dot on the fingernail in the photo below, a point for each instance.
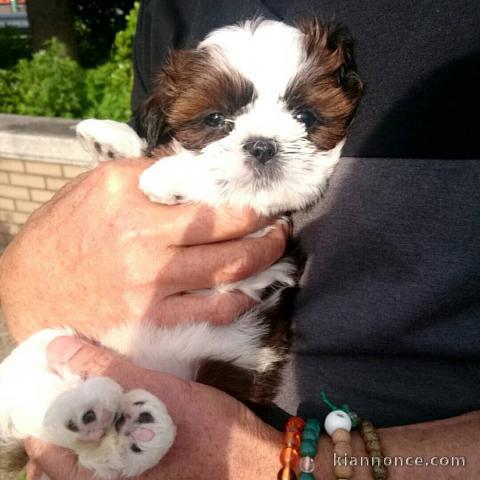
(285, 224)
(62, 349)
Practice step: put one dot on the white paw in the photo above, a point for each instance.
(147, 428)
(107, 140)
(141, 435)
(83, 414)
(164, 183)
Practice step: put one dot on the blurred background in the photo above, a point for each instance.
(66, 58)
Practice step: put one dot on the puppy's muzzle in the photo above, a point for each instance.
(263, 149)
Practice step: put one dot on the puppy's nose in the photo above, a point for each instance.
(263, 149)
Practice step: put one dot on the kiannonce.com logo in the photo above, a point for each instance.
(398, 461)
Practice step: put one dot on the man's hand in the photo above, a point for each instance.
(100, 253)
(218, 438)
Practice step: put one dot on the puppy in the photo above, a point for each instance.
(255, 116)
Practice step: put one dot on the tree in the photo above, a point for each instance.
(96, 24)
(52, 18)
(86, 27)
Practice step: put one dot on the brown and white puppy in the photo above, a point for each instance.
(255, 116)
(260, 109)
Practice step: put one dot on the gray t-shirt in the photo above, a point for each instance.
(388, 319)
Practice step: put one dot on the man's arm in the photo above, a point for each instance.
(440, 450)
(220, 439)
(217, 437)
(100, 253)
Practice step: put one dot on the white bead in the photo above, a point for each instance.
(307, 464)
(337, 419)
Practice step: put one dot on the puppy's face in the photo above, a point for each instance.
(268, 104)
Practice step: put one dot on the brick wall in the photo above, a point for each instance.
(24, 186)
(37, 157)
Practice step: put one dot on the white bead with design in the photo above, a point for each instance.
(337, 419)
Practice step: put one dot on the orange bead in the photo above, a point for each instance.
(292, 439)
(289, 457)
(286, 474)
(295, 424)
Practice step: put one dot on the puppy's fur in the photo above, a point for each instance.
(255, 116)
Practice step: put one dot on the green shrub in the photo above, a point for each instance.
(50, 84)
(109, 86)
(9, 98)
(108, 92)
(53, 85)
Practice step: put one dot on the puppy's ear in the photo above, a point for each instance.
(153, 117)
(330, 46)
(340, 40)
(150, 121)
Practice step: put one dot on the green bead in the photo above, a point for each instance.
(306, 476)
(314, 428)
(314, 424)
(308, 448)
(310, 434)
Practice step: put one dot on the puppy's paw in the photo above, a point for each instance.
(108, 140)
(146, 429)
(164, 182)
(141, 435)
(283, 274)
(83, 414)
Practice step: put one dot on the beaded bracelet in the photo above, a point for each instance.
(289, 454)
(374, 449)
(338, 425)
(309, 448)
(300, 438)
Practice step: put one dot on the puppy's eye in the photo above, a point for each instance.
(307, 117)
(215, 119)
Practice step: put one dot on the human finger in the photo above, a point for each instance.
(88, 360)
(55, 462)
(227, 262)
(187, 224)
(214, 308)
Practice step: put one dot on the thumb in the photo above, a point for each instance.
(50, 461)
(85, 359)
(88, 360)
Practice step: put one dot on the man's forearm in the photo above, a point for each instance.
(440, 450)
(100, 252)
